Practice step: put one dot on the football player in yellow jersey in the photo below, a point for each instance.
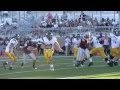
(9, 50)
(49, 41)
(97, 48)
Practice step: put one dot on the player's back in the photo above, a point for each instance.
(47, 41)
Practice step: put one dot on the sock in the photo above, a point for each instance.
(22, 64)
(51, 66)
(34, 63)
(11, 64)
(90, 59)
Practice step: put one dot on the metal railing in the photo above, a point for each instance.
(61, 31)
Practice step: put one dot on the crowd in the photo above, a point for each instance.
(84, 20)
(9, 26)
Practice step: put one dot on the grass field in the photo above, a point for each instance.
(64, 69)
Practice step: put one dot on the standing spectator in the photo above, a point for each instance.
(44, 24)
(67, 45)
(56, 17)
(49, 16)
(55, 25)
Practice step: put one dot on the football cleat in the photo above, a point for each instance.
(11, 68)
(22, 64)
(82, 62)
(111, 63)
(4, 64)
(77, 63)
(106, 59)
(82, 65)
(116, 63)
(51, 69)
(35, 68)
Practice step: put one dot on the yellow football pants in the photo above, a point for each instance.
(98, 50)
(48, 53)
(11, 56)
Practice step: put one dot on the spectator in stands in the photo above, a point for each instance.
(55, 25)
(56, 17)
(43, 24)
(49, 16)
(64, 16)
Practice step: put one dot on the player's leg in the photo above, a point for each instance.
(75, 50)
(23, 60)
(46, 55)
(66, 50)
(12, 59)
(102, 53)
(91, 54)
(80, 57)
(32, 55)
(14, 56)
(105, 49)
(88, 56)
(109, 59)
(50, 56)
(74, 53)
(116, 56)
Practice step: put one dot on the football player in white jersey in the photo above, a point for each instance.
(97, 48)
(115, 54)
(75, 42)
(9, 50)
(49, 41)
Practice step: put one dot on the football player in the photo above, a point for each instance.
(115, 54)
(49, 41)
(28, 49)
(9, 50)
(97, 48)
(82, 53)
(75, 42)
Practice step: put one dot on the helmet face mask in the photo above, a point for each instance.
(17, 36)
(49, 35)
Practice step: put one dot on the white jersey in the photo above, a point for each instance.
(46, 41)
(76, 42)
(12, 44)
(34, 40)
(96, 43)
(67, 41)
(39, 40)
(118, 40)
(115, 43)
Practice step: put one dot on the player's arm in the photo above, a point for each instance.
(58, 45)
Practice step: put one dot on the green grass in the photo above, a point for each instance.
(63, 69)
